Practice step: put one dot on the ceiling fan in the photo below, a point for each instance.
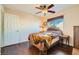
(44, 9)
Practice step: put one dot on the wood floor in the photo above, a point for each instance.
(75, 51)
(24, 49)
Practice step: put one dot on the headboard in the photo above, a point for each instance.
(53, 29)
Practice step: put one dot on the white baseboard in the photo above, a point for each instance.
(14, 43)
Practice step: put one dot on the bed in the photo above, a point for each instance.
(44, 40)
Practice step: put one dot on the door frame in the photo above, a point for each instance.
(74, 34)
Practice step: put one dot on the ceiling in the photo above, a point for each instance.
(30, 8)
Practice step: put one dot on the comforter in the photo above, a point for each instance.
(43, 40)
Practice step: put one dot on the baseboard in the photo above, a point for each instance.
(67, 45)
(14, 44)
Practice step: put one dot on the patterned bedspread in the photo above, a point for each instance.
(42, 40)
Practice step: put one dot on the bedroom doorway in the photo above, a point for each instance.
(76, 37)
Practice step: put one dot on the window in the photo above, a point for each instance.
(56, 22)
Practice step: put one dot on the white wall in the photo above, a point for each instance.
(0, 25)
(0, 29)
(71, 18)
(18, 26)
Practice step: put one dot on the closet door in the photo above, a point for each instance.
(11, 29)
(76, 36)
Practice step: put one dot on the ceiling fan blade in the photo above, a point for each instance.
(38, 12)
(38, 8)
(51, 11)
(50, 6)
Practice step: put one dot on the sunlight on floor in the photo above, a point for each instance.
(75, 51)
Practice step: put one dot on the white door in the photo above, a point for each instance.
(11, 29)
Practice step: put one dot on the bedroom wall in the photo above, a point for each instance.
(0, 29)
(18, 25)
(0, 25)
(71, 18)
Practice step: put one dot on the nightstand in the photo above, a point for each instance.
(64, 38)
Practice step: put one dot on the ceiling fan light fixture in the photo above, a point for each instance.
(44, 11)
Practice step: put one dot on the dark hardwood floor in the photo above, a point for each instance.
(24, 49)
